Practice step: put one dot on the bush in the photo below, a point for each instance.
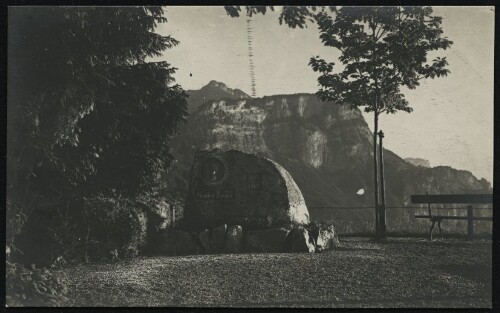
(34, 287)
(115, 228)
(16, 217)
(94, 229)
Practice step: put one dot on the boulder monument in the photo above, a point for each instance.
(238, 188)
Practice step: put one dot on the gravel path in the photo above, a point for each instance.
(406, 272)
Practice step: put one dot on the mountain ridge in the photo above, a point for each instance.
(326, 147)
(212, 91)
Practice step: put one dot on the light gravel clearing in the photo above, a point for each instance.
(407, 272)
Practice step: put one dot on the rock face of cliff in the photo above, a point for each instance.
(326, 147)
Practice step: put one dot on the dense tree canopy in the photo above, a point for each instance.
(292, 16)
(86, 112)
(383, 49)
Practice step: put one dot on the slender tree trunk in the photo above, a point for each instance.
(375, 173)
(382, 211)
(87, 245)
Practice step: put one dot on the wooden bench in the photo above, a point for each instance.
(453, 199)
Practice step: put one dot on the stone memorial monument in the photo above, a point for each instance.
(239, 202)
(237, 188)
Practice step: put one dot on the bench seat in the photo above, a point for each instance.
(453, 199)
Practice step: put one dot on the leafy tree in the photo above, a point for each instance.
(292, 16)
(382, 50)
(87, 112)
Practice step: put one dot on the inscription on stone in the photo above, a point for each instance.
(217, 194)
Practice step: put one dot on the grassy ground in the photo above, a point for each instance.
(407, 272)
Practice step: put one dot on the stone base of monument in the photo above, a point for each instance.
(266, 240)
(300, 240)
(235, 239)
(176, 242)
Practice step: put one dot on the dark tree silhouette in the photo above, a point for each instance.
(86, 111)
(292, 16)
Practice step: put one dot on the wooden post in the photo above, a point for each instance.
(428, 205)
(172, 214)
(430, 216)
(87, 245)
(382, 223)
(470, 222)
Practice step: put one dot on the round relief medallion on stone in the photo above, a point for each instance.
(214, 171)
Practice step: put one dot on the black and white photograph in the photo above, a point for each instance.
(249, 156)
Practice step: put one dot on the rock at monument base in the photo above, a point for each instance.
(234, 239)
(313, 229)
(300, 241)
(269, 240)
(205, 241)
(177, 242)
(327, 239)
(218, 237)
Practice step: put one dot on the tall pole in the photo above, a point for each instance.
(382, 222)
(250, 57)
(375, 174)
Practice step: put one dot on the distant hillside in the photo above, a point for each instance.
(326, 147)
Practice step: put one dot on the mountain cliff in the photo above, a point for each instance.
(212, 91)
(418, 162)
(326, 147)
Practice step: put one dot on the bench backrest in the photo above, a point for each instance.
(462, 198)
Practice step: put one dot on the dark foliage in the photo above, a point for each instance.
(88, 113)
(383, 49)
(94, 229)
(85, 108)
(116, 228)
(34, 287)
(292, 16)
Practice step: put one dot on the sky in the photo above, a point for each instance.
(452, 121)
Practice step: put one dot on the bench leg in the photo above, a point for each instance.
(440, 230)
(432, 227)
